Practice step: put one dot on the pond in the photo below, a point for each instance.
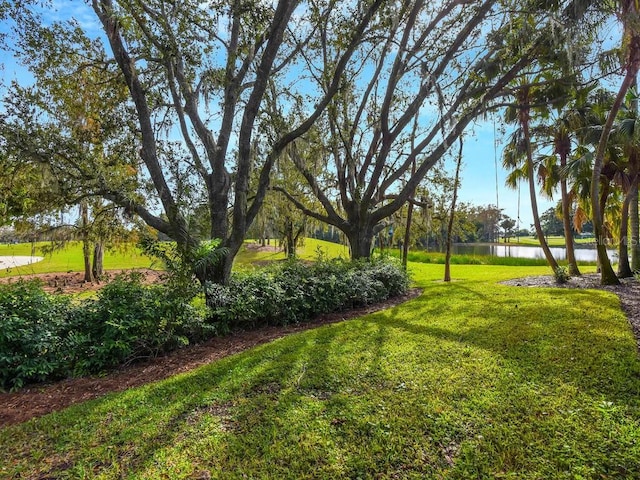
(583, 253)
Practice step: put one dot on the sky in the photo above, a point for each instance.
(483, 178)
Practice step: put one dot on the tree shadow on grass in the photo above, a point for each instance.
(249, 392)
(240, 407)
(570, 339)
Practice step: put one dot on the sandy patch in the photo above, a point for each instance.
(17, 261)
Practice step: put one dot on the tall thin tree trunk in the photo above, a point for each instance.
(524, 122)
(407, 230)
(98, 260)
(566, 221)
(447, 257)
(624, 269)
(86, 247)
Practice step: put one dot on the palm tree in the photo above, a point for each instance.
(520, 147)
(628, 137)
(624, 175)
(628, 13)
(552, 173)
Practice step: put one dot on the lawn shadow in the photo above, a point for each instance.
(252, 390)
(549, 342)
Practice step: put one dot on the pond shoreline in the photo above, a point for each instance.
(584, 252)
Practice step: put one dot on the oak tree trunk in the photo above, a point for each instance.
(98, 261)
(86, 244)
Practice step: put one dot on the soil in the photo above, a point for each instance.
(38, 400)
(73, 282)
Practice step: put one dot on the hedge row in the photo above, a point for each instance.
(295, 292)
(47, 337)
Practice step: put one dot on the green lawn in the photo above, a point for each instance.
(310, 250)
(470, 380)
(70, 259)
(552, 240)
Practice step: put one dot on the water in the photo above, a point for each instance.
(583, 254)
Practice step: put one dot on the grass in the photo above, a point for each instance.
(70, 259)
(552, 241)
(470, 380)
(421, 256)
(128, 257)
(310, 250)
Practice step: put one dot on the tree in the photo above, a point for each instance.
(561, 131)
(161, 53)
(452, 214)
(487, 221)
(197, 80)
(587, 121)
(286, 222)
(535, 93)
(507, 224)
(628, 13)
(627, 136)
(419, 65)
(551, 223)
(71, 126)
(24, 188)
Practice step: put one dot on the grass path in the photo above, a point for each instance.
(471, 380)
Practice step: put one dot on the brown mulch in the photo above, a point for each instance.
(628, 291)
(73, 282)
(39, 400)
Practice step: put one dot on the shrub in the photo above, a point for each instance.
(31, 322)
(561, 275)
(391, 275)
(129, 321)
(45, 337)
(295, 292)
(312, 289)
(248, 299)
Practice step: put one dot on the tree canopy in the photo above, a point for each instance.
(179, 112)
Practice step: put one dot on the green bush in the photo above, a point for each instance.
(31, 323)
(248, 299)
(130, 321)
(46, 337)
(295, 291)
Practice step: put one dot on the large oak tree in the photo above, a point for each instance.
(199, 75)
(432, 69)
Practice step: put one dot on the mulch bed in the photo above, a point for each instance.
(38, 400)
(73, 282)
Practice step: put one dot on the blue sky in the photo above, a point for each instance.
(482, 153)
